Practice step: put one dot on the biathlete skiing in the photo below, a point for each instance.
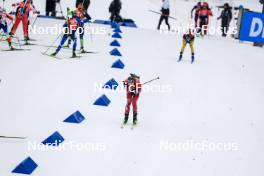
(22, 14)
(133, 89)
(204, 16)
(6, 19)
(188, 38)
(70, 26)
(84, 17)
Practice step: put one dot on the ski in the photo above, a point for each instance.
(64, 47)
(86, 52)
(133, 126)
(76, 57)
(13, 137)
(55, 57)
(31, 40)
(123, 125)
(17, 49)
(29, 44)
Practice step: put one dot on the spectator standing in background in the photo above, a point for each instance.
(165, 13)
(115, 8)
(51, 7)
(226, 17)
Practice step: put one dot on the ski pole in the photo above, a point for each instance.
(61, 9)
(2, 35)
(163, 14)
(12, 137)
(53, 43)
(18, 40)
(34, 21)
(150, 81)
(91, 33)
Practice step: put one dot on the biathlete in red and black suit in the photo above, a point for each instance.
(133, 89)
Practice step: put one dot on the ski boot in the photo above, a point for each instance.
(11, 47)
(125, 119)
(192, 58)
(135, 119)
(54, 54)
(26, 41)
(82, 50)
(11, 34)
(10, 44)
(74, 54)
(180, 57)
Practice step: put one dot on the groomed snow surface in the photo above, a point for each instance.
(218, 99)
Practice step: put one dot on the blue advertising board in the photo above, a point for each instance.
(252, 27)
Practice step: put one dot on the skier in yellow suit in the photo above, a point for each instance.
(188, 38)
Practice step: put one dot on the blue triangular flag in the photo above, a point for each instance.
(116, 35)
(115, 43)
(55, 139)
(27, 166)
(118, 64)
(102, 101)
(111, 84)
(76, 117)
(115, 52)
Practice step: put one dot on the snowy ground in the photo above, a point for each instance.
(218, 99)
